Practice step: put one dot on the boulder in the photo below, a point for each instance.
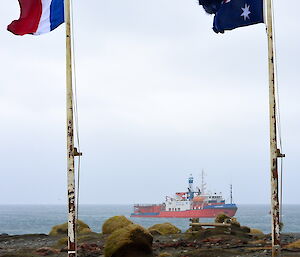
(165, 229)
(62, 242)
(62, 229)
(130, 241)
(115, 223)
(220, 218)
(245, 229)
(256, 231)
(154, 232)
(234, 222)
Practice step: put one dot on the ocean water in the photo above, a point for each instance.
(28, 219)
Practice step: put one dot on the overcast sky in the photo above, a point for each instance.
(160, 96)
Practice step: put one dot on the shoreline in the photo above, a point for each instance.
(183, 244)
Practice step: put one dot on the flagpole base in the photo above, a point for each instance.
(276, 251)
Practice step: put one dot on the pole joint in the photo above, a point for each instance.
(76, 153)
(279, 154)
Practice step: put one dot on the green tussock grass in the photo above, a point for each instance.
(256, 231)
(62, 229)
(89, 237)
(126, 241)
(114, 223)
(220, 218)
(165, 229)
(295, 244)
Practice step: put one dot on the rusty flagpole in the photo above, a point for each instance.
(70, 137)
(274, 151)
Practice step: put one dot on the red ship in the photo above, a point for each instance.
(191, 204)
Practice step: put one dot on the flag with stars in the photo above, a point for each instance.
(238, 13)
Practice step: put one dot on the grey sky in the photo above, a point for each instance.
(160, 96)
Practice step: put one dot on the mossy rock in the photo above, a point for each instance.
(92, 236)
(245, 229)
(62, 229)
(189, 230)
(234, 222)
(165, 228)
(115, 223)
(62, 242)
(220, 218)
(223, 218)
(295, 244)
(89, 237)
(132, 240)
(255, 231)
(154, 232)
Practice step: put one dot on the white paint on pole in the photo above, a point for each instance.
(70, 137)
(274, 152)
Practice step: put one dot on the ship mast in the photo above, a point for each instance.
(275, 153)
(191, 183)
(191, 187)
(203, 184)
(230, 193)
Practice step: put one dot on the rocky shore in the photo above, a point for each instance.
(121, 238)
(177, 245)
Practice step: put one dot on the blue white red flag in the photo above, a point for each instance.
(38, 17)
(231, 14)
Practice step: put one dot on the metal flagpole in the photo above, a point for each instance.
(70, 138)
(274, 151)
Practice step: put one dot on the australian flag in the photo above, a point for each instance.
(231, 14)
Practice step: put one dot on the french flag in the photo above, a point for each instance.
(38, 17)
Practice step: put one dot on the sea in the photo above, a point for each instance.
(33, 219)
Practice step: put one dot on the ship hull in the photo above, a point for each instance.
(206, 212)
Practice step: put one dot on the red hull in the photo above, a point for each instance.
(204, 213)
